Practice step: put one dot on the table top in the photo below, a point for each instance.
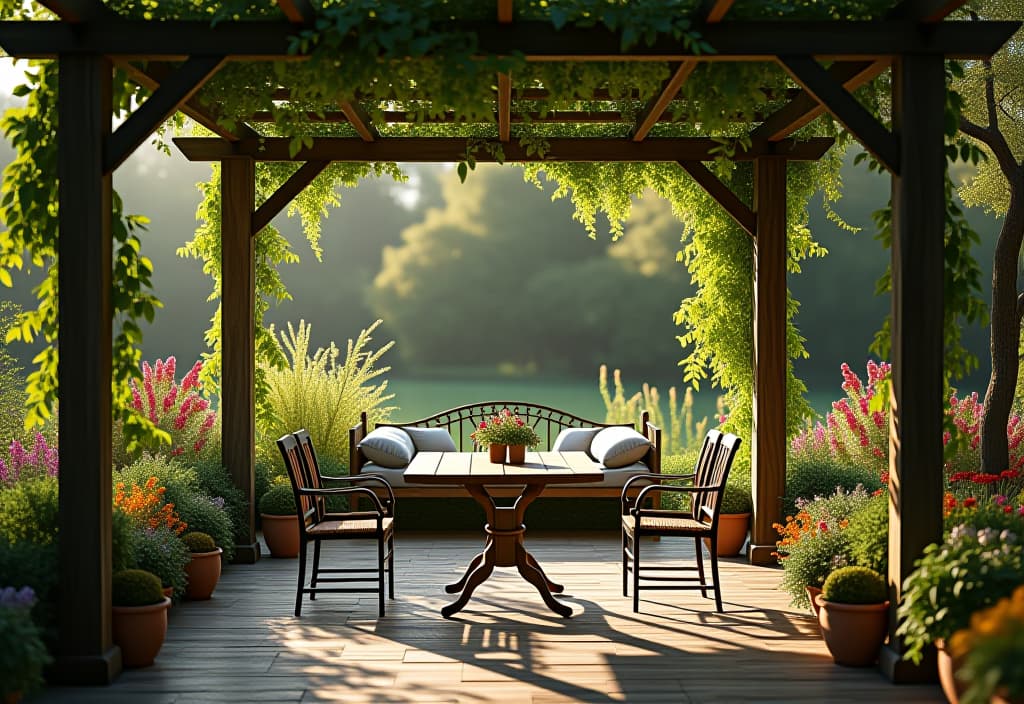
(477, 468)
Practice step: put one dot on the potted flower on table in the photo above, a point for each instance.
(502, 431)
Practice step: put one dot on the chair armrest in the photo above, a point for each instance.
(648, 479)
(365, 479)
(348, 490)
(657, 488)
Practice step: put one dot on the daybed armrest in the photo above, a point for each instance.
(356, 459)
(653, 457)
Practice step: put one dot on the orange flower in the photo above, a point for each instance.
(145, 506)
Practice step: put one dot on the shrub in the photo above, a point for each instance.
(215, 482)
(24, 564)
(146, 507)
(279, 501)
(325, 398)
(161, 552)
(136, 588)
(203, 514)
(29, 510)
(854, 585)
(992, 650)
(40, 460)
(22, 653)
(198, 542)
(868, 534)
(736, 499)
(817, 471)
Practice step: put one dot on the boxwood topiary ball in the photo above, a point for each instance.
(136, 588)
(279, 501)
(199, 542)
(854, 585)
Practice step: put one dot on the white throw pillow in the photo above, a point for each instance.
(388, 446)
(618, 446)
(430, 439)
(574, 440)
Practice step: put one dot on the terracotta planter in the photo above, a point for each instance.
(854, 633)
(732, 533)
(517, 454)
(13, 697)
(812, 592)
(497, 453)
(281, 534)
(203, 572)
(169, 593)
(948, 665)
(140, 632)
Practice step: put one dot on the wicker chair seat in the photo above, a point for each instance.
(666, 524)
(333, 527)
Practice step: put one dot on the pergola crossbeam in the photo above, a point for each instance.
(875, 137)
(298, 11)
(360, 120)
(285, 193)
(552, 116)
(504, 107)
(178, 88)
(452, 149)
(739, 211)
(75, 11)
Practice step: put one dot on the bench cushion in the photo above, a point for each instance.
(388, 446)
(618, 446)
(613, 477)
(430, 439)
(574, 440)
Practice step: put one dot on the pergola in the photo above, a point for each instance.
(174, 59)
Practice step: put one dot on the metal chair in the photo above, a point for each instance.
(316, 523)
(701, 521)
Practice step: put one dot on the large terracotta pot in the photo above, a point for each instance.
(854, 633)
(812, 592)
(281, 534)
(517, 454)
(497, 453)
(140, 632)
(948, 665)
(203, 572)
(732, 533)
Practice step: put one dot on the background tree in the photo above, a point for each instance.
(993, 115)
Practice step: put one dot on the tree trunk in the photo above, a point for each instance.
(1005, 338)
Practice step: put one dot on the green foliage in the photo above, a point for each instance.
(22, 653)
(136, 588)
(24, 564)
(992, 651)
(279, 501)
(29, 510)
(196, 541)
(736, 499)
(324, 396)
(213, 479)
(814, 472)
(12, 381)
(972, 569)
(854, 585)
(868, 534)
(162, 553)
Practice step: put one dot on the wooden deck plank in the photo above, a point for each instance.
(505, 647)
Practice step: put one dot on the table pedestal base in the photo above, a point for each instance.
(504, 548)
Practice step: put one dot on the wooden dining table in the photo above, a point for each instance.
(504, 528)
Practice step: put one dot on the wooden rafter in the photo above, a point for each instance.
(803, 108)
(535, 40)
(552, 116)
(730, 202)
(713, 11)
(360, 120)
(75, 11)
(173, 92)
(273, 205)
(875, 137)
(156, 73)
(505, 11)
(298, 11)
(504, 107)
(452, 149)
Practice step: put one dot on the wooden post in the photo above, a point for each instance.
(768, 445)
(238, 346)
(85, 650)
(915, 428)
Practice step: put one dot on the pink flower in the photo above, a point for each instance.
(171, 397)
(191, 380)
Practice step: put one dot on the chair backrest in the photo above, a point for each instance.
(293, 463)
(701, 470)
(311, 467)
(716, 474)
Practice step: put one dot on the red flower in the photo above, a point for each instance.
(483, 424)
(970, 501)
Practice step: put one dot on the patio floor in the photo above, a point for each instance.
(245, 645)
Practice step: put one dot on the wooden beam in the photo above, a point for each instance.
(178, 88)
(298, 11)
(504, 107)
(535, 40)
(399, 117)
(453, 149)
(85, 653)
(768, 444)
(360, 120)
(875, 137)
(714, 10)
(916, 392)
(655, 107)
(156, 73)
(803, 108)
(75, 11)
(238, 340)
(739, 211)
(505, 11)
(285, 194)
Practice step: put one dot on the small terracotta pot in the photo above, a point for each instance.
(948, 665)
(497, 453)
(732, 533)
(169, 593)
(203, 572)
(517, 454)
(281, 534)
(811, 593)
(854, 633)
(140, 632)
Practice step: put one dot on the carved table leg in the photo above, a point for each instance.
(532, 562)
(536, 577)
(457, 587)
(474, 579)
